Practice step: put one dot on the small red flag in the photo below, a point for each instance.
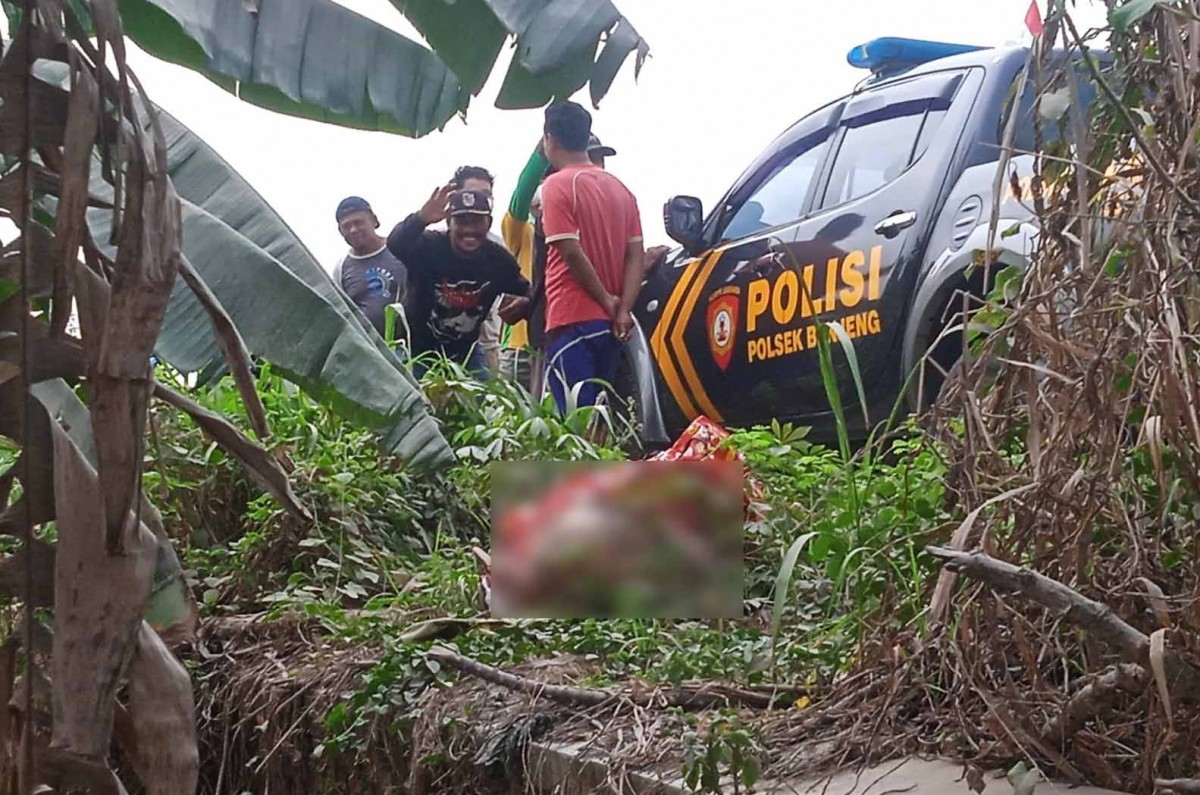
(1033, 19)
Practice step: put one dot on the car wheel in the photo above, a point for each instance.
(945, 353)
(942, 358)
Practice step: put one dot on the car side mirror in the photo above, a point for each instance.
(683, 216)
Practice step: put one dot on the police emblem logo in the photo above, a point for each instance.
(721, 328)
(468, 200)
(723, 308)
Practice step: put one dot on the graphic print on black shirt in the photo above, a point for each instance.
(457, 309)
(450, 295)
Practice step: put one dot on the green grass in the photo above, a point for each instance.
(837, 540)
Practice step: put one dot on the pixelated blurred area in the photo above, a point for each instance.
(704, 440)
(633, 539)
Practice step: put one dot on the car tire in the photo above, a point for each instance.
(943, 356)
(946, 354)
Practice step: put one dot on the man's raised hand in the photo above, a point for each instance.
(436, 208)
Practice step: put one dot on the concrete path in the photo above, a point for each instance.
(558, 769)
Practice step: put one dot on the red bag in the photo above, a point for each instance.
(702, 441)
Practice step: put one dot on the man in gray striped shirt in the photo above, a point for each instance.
(369, 274)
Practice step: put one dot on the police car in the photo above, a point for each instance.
(869, 211)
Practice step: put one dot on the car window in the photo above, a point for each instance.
(873, 154)
(933, 121)
(779, 198)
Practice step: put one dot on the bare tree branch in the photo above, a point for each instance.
(260, 465)
(591, 697)
(1095, 698)
(232, 346)
(1074, 608)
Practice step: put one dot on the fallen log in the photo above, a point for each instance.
(711, 697)
(1177, 786)
(1074, 608)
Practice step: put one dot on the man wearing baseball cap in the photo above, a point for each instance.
(522, 355)
(594, 264)
(479, 178)
(597, 151)
(369, 275)
(456, 276)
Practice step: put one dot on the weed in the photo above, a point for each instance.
(716, 747)
(386, 541)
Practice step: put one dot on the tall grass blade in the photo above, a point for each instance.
(832, 393)
(783, 584)
(852, 359)
(392, 313)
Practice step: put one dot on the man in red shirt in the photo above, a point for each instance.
(593, 264)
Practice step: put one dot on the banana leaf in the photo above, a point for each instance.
(203, 178)
(309, 58)
(315, 59)
(556, 43)
(281, 300)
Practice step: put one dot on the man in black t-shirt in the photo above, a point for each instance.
(454, 277)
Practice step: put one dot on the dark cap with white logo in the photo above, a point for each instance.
(470, 202)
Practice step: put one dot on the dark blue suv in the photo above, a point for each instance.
(868, 212)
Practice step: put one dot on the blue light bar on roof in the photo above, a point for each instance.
(888, 54)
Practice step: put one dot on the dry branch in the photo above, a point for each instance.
(1074, 608)
(1093, 699)
(260, 465)
(713, 697)
(232, 347)
(965, 536)
(447, 628)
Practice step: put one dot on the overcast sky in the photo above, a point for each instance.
(723, 80)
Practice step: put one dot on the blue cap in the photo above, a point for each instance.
(352, 204)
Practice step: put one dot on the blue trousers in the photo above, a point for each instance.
(581, 354)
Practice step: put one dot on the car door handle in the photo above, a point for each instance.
(896, 222)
